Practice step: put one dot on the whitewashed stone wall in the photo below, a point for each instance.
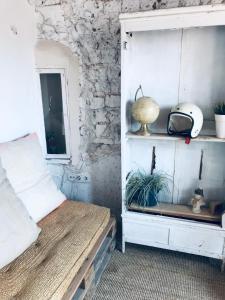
(91, 29)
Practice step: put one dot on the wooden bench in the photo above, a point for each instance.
(68, 258)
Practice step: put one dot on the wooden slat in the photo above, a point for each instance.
(75, 284)
(87, 278)
(177, 210)
(100, 263)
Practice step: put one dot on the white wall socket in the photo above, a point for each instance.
(79, 178)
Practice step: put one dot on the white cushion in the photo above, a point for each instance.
(28, 174)
(18, 231)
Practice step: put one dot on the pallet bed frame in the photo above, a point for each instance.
(68, 258)
(84, 283)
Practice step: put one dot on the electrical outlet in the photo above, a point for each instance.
(83, 178)
(79, 178)
(72, 177)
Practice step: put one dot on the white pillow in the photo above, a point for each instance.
(28, 174)
(18, 231)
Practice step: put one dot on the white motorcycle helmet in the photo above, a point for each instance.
(185, 119)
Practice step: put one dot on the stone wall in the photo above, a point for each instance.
(91, 30)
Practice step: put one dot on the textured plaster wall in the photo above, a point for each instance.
(91, 30)
(17, 77)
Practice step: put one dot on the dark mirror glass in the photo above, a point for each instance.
(51, 89)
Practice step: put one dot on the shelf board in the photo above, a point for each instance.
(166, 137)
(177, 210)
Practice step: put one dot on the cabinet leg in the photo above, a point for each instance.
(123, 246)
(223, 265)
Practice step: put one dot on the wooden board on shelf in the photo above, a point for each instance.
(177, 210)
(165, 136)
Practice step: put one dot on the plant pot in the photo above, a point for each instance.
(220, 126)
(152, 199)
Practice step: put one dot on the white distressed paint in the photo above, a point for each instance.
(18, 100)
(174, 234)
(176, 77)
(165, 137)
(168, 66)
(195, 16)
(149, 66)
(202, 70)
(171, 68)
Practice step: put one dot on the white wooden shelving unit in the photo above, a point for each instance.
(177, 55)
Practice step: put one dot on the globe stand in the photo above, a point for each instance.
(143, 131)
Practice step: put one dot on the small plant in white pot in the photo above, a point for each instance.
(219, 111)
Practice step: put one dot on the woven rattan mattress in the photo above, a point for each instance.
(46, 269)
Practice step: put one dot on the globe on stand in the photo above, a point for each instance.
(145, 110)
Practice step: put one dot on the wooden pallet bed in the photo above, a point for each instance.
(90, 273)
(68, 258)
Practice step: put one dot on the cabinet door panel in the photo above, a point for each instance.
(198, 240)
(147, 234)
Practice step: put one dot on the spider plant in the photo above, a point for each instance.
(219, 109)
(142, 188)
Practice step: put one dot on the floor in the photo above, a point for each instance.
(147, 273)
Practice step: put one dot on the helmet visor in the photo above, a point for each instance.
(180, 124)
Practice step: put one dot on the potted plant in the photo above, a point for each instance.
(219, 111)
(143, 189)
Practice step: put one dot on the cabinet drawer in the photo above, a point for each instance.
(197, 240)
(147, 234)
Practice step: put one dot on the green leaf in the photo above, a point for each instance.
(219, 108)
